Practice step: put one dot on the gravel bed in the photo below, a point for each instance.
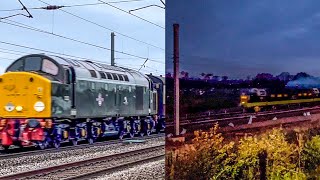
(152, 170)
(32, 162)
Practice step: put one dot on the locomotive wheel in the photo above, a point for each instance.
(56, 144)
(90, 140)
(141, 134)
(74, 142)
(131, 134)
(121, 135)
(6, 148)
(43, 144)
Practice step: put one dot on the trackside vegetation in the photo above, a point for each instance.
(277, 154)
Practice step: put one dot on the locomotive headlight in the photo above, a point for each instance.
(39, 106)
(19, 108)
(9, 107)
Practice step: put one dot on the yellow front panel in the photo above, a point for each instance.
(20, 91)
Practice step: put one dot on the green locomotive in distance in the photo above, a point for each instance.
(257, 99)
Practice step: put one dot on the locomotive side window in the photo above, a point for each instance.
(103, 76)
(67, 76)
(93, 73)
(115, 77)
(109, 76)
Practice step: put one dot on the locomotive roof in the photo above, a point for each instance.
(89, 70)
(157, 79)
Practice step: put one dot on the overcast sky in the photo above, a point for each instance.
(64, 24)
(240, 38)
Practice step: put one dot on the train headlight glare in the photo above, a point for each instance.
(19, 108)
(9, 107)
(39, 106)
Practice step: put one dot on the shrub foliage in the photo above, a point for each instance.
(212, 157)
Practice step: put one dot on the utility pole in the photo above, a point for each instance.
(112, 49)
(176, 78)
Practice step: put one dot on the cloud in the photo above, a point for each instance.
(251, 37)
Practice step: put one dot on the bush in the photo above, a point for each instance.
(211, 157)
(207, 158)
(282, 159)
(311, 156)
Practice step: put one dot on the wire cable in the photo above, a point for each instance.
(21, 25)
(104, 27)
(131, 14)
(74, 5)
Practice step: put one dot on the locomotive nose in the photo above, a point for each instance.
(24, 94)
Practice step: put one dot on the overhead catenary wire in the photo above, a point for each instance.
(21, 25)
(108, 28)
(6, 52)
(5, 58)
(131, 14)
(19, 14)
(47, 51)
(50, 53)
(130, 66)
(74, 5)
(104, 27)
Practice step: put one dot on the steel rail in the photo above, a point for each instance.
(91, 166)
(67, 148)
(244, 116)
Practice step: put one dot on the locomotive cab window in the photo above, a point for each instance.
(17, 66)
(35, 63)
(32, 64)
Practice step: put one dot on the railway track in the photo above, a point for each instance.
(192, 118)
(243, 119)
(29, 152)
(93, 167)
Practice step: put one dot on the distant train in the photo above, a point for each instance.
(257, 99)
(48, 100)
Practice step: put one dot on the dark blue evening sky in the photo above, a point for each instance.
(241, 38)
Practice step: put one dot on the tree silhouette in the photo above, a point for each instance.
(301, 75)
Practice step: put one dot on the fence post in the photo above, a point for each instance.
(263, 164)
